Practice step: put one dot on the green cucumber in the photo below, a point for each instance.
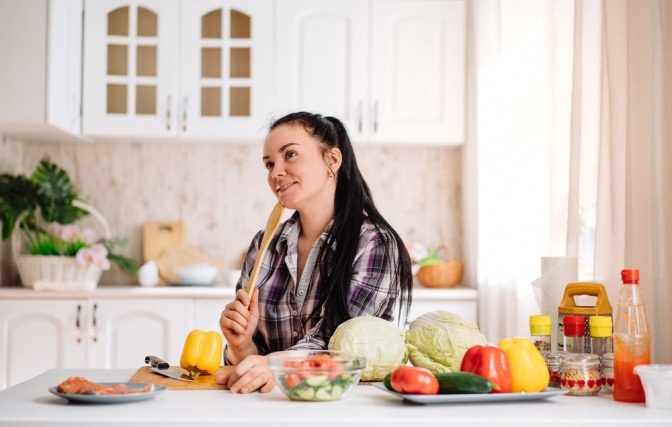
(387, 383)
(463, 382)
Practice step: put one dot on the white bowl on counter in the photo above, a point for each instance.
(196, 274)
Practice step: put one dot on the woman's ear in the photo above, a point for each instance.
(334, 159)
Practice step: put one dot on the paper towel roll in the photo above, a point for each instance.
(556, 273)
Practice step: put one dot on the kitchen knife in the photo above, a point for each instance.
(162, 367)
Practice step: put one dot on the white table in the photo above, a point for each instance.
(30, 403)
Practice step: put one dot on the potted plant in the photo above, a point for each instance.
(40, 213)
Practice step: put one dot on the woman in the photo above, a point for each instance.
(334, 259)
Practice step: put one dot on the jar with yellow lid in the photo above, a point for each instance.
(540, 331)
(601, 330)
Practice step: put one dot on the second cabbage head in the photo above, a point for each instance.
(438, 340)
(380, 341)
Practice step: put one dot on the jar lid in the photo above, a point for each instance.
(600, 326)
(581, 359)
(540, 324)
(630, 276)
(574, 325)
(551, 356)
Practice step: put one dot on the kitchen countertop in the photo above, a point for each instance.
(130, 291)
(30, 403)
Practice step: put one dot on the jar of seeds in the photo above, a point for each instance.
(608, 373)
(580, 374)
(554, 363)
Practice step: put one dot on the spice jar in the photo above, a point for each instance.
(608, 372)
(601, 341)
(580, 374)
(573, 338)
(553, 361)
(540, 331)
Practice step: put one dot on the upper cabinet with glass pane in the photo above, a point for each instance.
(169, 67)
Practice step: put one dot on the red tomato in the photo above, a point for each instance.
(292, 380)
(413, 380)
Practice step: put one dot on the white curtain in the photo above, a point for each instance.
(569, 152)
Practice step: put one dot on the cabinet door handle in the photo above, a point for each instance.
(184, 114)
(168, 113)
(94, 324)
(78, 329)
(375, 117)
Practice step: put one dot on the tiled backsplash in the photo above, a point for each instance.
(219, 190)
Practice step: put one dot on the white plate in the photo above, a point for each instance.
(475, 397)
(111, 398)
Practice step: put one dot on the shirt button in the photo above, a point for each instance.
(294, 312)
(296, 334)
(300, 292)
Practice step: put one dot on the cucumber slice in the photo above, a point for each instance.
(317, 380)
(336, 392)
(323, 394)
(307, 393)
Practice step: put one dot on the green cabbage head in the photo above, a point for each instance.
(380, 341)
(438, 340)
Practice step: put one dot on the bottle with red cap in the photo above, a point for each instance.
(632, 339)
(573, 339)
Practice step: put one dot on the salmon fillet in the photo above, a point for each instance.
(79, 385)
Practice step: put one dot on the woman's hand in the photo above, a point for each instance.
(238, 322)
(249, 375)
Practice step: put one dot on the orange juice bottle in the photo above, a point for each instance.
(632, 340)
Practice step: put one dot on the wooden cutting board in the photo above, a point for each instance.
(201, 382)
(159, 236)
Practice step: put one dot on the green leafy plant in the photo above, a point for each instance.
(44, 208)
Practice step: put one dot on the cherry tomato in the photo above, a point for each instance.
(413, 380)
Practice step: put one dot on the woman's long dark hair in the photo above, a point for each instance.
(353, 203)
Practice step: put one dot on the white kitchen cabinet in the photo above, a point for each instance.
(124, 331)
(38, 335)
(41, 334)
(40, 77)
(207, 312)
(392, 70)
(321, 53)
(170, 67)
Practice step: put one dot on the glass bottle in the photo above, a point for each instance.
(601, 341)
(540, 331)
(573, 339)
(632, 339)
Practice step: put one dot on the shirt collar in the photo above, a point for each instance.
(291, 229)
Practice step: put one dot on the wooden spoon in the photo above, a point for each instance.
(271, 226)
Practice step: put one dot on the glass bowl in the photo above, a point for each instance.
(316, 375)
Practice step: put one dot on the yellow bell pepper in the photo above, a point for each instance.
(528, 368)
(202, 352)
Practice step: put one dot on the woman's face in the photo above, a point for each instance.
(298, 170)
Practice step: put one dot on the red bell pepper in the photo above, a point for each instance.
(489, 362)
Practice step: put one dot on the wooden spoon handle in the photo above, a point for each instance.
(271, 226)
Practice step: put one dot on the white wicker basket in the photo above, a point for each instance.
(58, 272)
